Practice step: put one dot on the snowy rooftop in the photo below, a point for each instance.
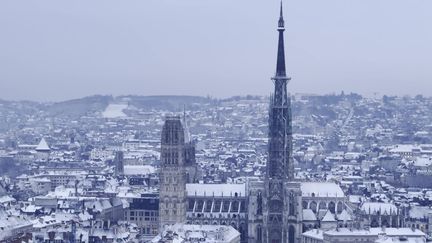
(43, 146)
(418, 212)
(328, 217)
(138, 170)
(375, 207)
(217, 190)
(309, 215)
(179, 233)
(315, 234)
(344, 216)
(402, 240)
(394, 232)
(321, 189)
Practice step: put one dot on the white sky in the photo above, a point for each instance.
(58, 49)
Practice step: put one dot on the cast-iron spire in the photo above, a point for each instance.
(280, 65)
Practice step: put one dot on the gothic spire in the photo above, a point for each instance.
(281, 20)
(280, 65)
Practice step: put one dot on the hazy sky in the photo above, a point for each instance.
(58, 49)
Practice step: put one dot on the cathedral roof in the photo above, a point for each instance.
(379, 208)
(321, 189)
(309, 215)
(328, 217)
(216, 190)
(344, 216)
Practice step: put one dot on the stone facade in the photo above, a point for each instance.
(172, 177)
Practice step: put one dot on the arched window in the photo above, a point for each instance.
(339, 207)
(242, 230)
(332, 207)
(291, 234)
(304, 204)
(291, 208)
(259, 233)
(313, 206)
(208, 206)
(322, 205)
(259, 203)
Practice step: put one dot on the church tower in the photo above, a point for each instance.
(282, 212)
(172, 176)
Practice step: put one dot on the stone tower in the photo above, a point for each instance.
(282, 212)
(172, 177)
(118, 163)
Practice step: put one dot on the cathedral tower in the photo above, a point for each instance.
(282, 211)
(172, 176)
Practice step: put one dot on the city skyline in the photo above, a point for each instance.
(248, 169)
(57, 51)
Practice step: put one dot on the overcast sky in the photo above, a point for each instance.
(56, 49)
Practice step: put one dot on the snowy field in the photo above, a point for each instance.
(115, 111)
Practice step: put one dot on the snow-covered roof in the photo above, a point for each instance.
(419, 212)
(344, 216)
(400, 240)
(6, 199)
(328, 217)
(395, 232)
(423, 161)
(42, 146)
(375, 207)
(314, 234)
(309, 215)
(403, 148)
(179, 233)
(138, 169)
(321, 189)
(217, 190)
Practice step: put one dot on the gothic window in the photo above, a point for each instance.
(208, 206)
(339, 207)
(313, 206)
(200, 205)
(217, 206)
(275, 206)
(259, 201)
(291, 234)
(275, 236)
(332, 207)
(242, 229)
(322, 206)
(191, 204)
(243, 206)
(304, 204)
(234, 206)
(259, 233)
(291, 204)
(225, 206)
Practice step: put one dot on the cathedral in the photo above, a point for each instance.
(275, 209)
